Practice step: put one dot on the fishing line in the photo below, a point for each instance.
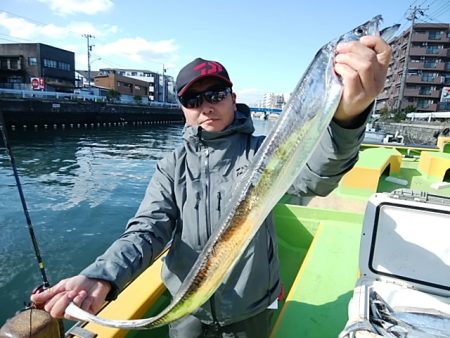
(37, 252)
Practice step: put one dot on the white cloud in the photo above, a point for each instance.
(139, 49)
(23, 29)
(136, 52)
(81, 28)
(250, 96)
(88, 7)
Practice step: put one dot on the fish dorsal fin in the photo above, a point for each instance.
(388, 33)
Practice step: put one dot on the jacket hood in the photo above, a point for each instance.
(242, 123)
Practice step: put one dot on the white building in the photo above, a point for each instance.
(272, 100)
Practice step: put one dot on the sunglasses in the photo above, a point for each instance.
(211, 96)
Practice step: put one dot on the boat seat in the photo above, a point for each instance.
(371, 164)
(131, 302)
(435, 165)
(443, 143)
(316, 305)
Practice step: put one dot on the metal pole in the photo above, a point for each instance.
(89, 48)
(163, 85)
(408, 47)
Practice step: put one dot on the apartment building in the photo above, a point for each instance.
(113, 79)
(36, 66)
(160, 88)
(272, 100)
(419, 73)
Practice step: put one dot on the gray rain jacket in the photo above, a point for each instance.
(184, 201)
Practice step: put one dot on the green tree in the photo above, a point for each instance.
(113, 95)
(138, 99)
(385, 114)
(399, 116)
(409, 109)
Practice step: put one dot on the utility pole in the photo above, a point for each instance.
(89, 49)
(163, 84)
(412, 17)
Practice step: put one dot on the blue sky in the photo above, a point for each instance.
(265, 45)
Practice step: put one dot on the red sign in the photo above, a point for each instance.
(37, 83)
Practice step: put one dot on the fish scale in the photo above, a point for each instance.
(280, 159)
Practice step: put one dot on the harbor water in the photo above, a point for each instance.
(81, 186)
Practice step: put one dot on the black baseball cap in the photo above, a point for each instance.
(198, 69)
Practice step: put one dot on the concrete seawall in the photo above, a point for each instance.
(26, 113)
(415, 133)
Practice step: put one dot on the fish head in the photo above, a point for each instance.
(370, 27)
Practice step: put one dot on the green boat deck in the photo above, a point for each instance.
(316, 305)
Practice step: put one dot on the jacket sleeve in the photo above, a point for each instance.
(336, 153)
(146, 234)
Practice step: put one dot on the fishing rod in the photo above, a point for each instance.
(37, 252)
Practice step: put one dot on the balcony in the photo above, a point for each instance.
(432, 107)
(423, 66)
(417, 79)
(425, 37)
(383, 96)
(422, 51)
(434, 94)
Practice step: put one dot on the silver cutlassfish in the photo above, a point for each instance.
(278, 162)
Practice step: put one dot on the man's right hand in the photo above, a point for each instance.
(87, 293)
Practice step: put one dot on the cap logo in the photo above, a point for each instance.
(209, 68)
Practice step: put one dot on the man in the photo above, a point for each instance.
(190, 186)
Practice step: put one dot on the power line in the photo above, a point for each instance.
(444, 7)
(16, 38)
(9, 40)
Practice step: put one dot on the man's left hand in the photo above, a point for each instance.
(363, 67)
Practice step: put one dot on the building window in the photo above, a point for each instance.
(430, 63)
(434, 35)
(432, 50)
(14, 64)
(428, 77)
(32, 61)
(425, 91)
(123, 84)
(63, 66)
(50, 63)
(15, 79)
(421, 103)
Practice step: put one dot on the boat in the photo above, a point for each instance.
(319, 243)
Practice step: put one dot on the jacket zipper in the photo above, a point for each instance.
(197, 203)
(208, 191)
(208, 225)
(219, 198)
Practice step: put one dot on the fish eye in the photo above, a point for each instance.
(359, 31)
